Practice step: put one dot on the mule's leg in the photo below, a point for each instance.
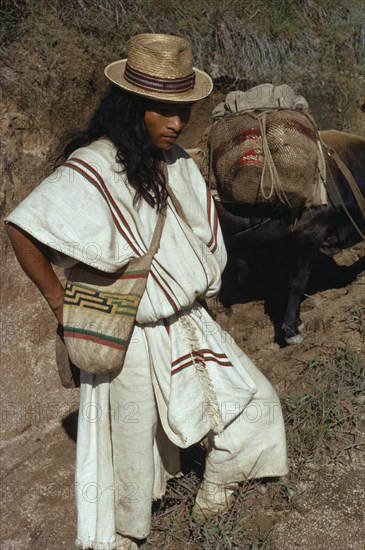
(306, 244)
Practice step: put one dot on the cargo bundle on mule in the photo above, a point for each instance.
(265, 149)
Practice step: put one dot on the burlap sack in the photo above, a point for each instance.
(265, 148)
(263, 157)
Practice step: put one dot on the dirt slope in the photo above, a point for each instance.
(39, 416)
(39, 422)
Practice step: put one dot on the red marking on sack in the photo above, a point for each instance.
(252, 133)
(250, 158)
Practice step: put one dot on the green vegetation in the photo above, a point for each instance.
(174, 528)
(323, 420)
(322, 417)
(356, 319)
(317, 47)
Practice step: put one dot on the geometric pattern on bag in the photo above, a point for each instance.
(100, 309)
(104, 302)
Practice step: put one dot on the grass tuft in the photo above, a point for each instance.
(323, 419)
(356, 318)
(323, 416)
(242, 43)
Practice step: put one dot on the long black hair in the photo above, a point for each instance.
(120, 117)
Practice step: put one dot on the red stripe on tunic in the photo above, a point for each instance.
(99, 187)
(200, 352)
(167, 325)
(176, 309)
(102, 182)
(204, 352)
(103, 187)
(206, 360)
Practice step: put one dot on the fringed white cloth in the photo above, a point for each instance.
(197, 376)
(87, 206)
(202, 382)
(94, 479)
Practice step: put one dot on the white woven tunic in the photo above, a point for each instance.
(202, 382)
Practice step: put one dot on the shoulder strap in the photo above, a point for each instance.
(156, 237)
(155, 243)
(172, 195)
(177, 205)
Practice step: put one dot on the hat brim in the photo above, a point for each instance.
(202, 88)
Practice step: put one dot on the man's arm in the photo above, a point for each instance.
(34, 262)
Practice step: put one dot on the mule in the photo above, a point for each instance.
(337, 225)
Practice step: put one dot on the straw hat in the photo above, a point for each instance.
(160, 66)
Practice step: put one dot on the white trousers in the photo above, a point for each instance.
(124, 458)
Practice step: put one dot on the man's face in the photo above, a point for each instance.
(166, 121)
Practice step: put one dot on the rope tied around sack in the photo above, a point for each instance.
(268, 155)
(276, 185)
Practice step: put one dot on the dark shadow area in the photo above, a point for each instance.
(264, 275)
(69, 424)
(327, 274)
(193, 460)
(192, 467)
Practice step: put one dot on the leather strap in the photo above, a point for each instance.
(156, 237)
(177, 205)
(172, 195)
(353, 186)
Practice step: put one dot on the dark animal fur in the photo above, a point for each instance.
(329, 228)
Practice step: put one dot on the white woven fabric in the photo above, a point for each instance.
(69, 212)
(202, 382)
(199, 378)
(123, 457)
(263, 96)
